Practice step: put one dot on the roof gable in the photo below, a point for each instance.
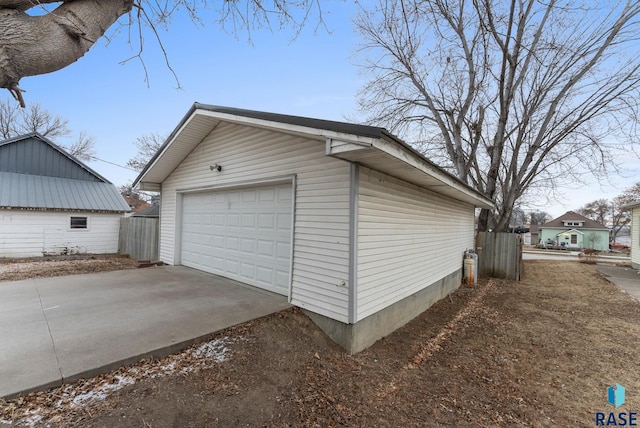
(571, 217)
(34, 154)
(570, 231)
(370, 146)
(37, 174)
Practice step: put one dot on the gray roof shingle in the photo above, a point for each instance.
(573, 216)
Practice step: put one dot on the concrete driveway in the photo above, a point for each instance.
(55, 330)
(626, 278)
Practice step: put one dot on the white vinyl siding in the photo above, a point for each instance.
(635, 236)
(35, 233)
(321, 201)
(407, 239)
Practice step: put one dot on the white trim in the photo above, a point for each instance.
(309, 132)
(79, 229)
(346, 146)
(166, 147)
(353, 242)
(294, 183)
(180, 193)
(572, 230)
(177, 242)
(239, 184)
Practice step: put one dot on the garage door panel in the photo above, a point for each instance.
(233, 220)
(266, 248)
(249, 220)
(244, 234)
(282, 279)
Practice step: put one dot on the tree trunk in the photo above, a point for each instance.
(33, 45)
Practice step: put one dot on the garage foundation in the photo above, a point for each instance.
(359, 336)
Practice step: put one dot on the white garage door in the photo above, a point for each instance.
(242, 234)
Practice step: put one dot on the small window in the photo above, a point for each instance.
(79, 223)
(574, 239)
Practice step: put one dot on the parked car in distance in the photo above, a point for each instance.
(617, 246)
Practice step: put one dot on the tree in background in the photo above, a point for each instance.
(67, 29)
(597, 210)
(593, 239)
(147, 146)
(620, 216)
(612, 212)
(539, 218)
(15, 121)
(136, 200)
(513, 97)
(518, 217)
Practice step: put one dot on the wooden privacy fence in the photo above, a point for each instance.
(499, 255)
(139, 237)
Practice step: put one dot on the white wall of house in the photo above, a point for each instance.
(635, 237)
(248, 156)
(407, 239)
(33, 233)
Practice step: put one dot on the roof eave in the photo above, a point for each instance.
(402, 161)
(378, 149)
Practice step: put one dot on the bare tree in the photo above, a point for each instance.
(620, 215)
(135, 199)
(16, 121)
(38, 37)
(511, 96)
(539, 217)
(147, 146)
(83, 147)
(594, 239)
(597, 210)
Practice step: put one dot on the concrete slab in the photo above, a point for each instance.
(55, 330)
(626, 278)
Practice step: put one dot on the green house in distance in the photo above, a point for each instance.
(573, 231)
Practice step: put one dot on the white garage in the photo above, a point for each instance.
(243, 234)
(350, 223)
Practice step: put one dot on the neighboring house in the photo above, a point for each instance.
(152, 211)
(347, 221)
(531, 237)
(574, 231)
(635, 234)
(51, 203)
(136, 204)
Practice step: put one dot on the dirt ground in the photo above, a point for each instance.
(540, 352)
(17, 269)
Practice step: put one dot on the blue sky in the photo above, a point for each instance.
(309, 76)
(314, 75)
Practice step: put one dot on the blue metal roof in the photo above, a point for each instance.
(41, 192)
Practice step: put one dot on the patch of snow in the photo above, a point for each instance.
(188, 361)
(214, 349)
(33, 420)
(103, 391)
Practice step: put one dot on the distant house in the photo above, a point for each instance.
(574, 231)
(531, 235)
(51, 203)
(136, 204)
(635, 234)
(152, 211)
(347, 221)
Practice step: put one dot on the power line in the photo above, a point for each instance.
(112, 163)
